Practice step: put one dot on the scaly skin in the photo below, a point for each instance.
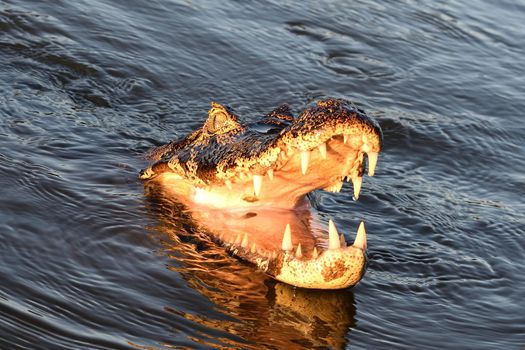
(246, 183)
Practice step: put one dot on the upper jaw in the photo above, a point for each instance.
(323, 146)
(295, 169)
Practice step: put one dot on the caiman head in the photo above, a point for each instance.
(247, 185)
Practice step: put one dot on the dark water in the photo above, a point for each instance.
(87, 261)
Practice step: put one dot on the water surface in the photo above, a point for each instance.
(88, 261)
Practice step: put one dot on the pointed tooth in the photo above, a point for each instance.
(253, 248)
(238, 239)
(305, 158)
(270, 174)
(360, 239)
(372, 161)
(287, 238)
(333, 236)
(357, 182)
(322, 150)
(257, 184)
(342, 240)
(345, 138)
(244, 242)
(228, 184)
(314, 253)
(299, 252)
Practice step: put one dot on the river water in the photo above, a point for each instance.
(87, 261)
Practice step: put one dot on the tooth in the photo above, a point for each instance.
(287, 238)
(270, 174)
(244, 242)
(372, 161)
(322, 150)
(357, 182)
(253, 249)
(345, 138)
(333, 236)
(257, 184)
(228, 184)
(298, 252)
(314, 253)
(360, 239)
(238, 239)
(305, 158)
(342, 240)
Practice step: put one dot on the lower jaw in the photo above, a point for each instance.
(255, 235)
(257, 238)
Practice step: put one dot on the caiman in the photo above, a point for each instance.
(247, 184)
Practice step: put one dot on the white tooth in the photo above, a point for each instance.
(342, 240)
(372, 161)
(270, 174)
(287, 238)
(299, 252)
(357, 182)
(244, 242)
(305, 158)
(333, 236)
(322, 150)
(360, 239)
(228, 184)
(345, 138)
(257, 184)
(253, 249)
(238, 239)
(314, 253)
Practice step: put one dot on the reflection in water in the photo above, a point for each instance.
(253, 311)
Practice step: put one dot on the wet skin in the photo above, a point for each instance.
(248, 185)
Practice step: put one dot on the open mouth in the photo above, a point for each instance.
(248, 186)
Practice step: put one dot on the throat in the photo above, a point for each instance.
(278, 194)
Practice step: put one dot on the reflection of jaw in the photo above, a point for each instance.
(327, 315)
